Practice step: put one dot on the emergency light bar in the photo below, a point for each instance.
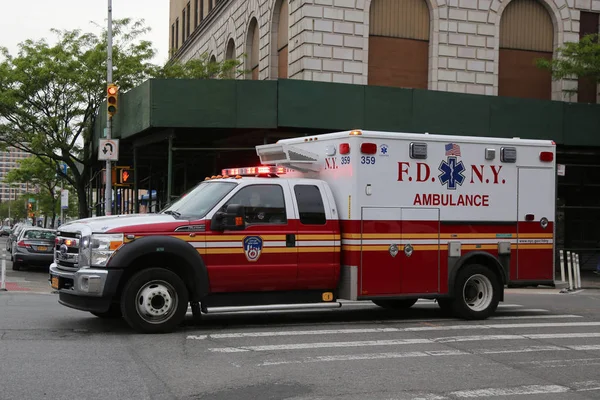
(253, 171)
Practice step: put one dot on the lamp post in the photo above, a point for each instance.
(108, 195)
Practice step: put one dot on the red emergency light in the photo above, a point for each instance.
(546, 156)
(368, 148)
(344, 148)
(253, 171)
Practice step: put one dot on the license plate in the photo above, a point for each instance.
(42, 248)
(54, 282)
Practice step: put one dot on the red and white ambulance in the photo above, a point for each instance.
(357, 215)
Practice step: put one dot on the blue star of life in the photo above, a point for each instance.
(452, 173)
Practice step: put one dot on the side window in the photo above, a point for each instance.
(263, 204)
(310, 205)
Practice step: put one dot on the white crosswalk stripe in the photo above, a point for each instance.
(516, 336)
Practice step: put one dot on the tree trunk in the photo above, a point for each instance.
(45, 221)
(82, 199)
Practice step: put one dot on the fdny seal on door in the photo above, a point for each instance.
(253, 247)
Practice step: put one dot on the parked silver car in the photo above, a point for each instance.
(33, 246)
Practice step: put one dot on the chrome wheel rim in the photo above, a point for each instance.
(478, 292)
(156, 301)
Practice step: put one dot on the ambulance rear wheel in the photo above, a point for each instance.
(396, 304)
(154, 300)
(477, 291)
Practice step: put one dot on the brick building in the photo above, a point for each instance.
(467, 46)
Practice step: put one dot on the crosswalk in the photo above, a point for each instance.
(516, 338)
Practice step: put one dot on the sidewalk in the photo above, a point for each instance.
(589, 280)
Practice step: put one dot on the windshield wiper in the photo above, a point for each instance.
(173, 213)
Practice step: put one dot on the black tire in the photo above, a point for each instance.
(476, 284)
(401, 304)
(16, 266)
(113, 312)
(163, 291)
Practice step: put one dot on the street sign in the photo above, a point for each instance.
(64, 199)
(63, 168)
(108, 149)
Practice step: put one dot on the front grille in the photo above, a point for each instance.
(66, 250)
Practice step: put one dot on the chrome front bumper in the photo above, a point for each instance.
(83, 282)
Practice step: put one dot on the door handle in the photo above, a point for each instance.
(290, 240)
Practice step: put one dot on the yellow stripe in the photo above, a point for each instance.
(444, 247)
(326, 236)
(398, 236)
(271, 250)
(239, 238)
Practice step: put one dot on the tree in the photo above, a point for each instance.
(199, 68)
(50, 94)
(576, 60)
(35, 171)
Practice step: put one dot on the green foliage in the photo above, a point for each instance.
(576, 60)
(50, 94)
(40, 171)
(200, 68)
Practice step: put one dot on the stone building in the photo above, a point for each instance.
(467, 46)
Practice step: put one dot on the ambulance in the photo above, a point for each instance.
(356, 215)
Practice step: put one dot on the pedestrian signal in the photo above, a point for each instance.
(125, 176)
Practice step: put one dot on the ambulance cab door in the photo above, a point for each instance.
(420, 254)
(380, 244)
(262, 257)
(317, 239)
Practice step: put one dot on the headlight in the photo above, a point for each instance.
(103, 246)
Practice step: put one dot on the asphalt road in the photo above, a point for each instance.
(540, 345)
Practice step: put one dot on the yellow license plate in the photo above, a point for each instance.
(54, 282)
(42, 248)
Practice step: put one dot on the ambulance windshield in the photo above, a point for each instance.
(200, 200)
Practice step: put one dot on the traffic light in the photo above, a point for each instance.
(112, 99)
(124, 176)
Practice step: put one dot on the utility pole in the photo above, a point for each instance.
(108, 195)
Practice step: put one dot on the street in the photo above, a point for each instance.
(540, 344)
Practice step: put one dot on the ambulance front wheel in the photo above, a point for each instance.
(154, 300)
(477, 292)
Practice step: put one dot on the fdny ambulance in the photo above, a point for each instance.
(357, 215)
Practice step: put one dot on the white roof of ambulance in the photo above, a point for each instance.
(423, 136)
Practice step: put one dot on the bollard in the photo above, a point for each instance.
(3, 273)
(577, 272)
(570, 270)
(562, 265)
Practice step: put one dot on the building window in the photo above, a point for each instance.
(587, 88)
(177, 33)
(399, 43)
(526, 34)
(195, 13)
(173, 37)
(183, 26)
(187, 33)
(252, 49)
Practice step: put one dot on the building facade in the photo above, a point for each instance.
(8, 161)
(486, 47)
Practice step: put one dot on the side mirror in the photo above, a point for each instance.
(233, 219)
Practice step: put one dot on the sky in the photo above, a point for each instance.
(33, 19)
